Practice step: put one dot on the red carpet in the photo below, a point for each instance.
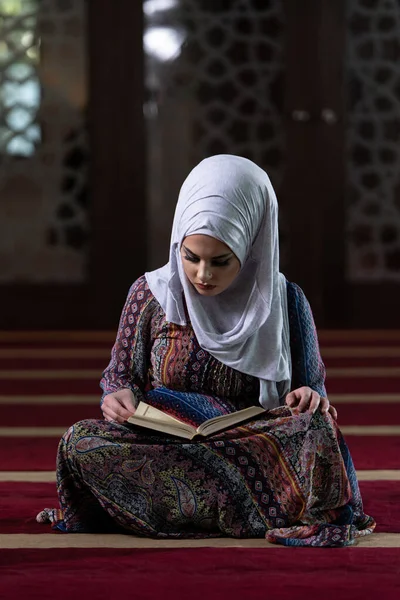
(53, 415)
(13, 364)
(364, 362)
(220, 573)
(358, 338)
(21, 501)
(214, 574)
(363, 385)
(28, 454)
(49, 387)
(375, 452)
(368, 414)
(382, 499)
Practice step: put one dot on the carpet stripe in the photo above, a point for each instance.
(59, 399)
(357, 385)
(354, 362)
(333, 373)
(360, 398)
(376, 475)
(49, 387)
(79, 352)
(51, 374)
(55, 353)
(10, 432)
(336, 372)
(86, 540)
(336, 352)
(370, 430)
(65, 414)
(348, 414)
(16, 365)
(373, 452)
(76, 336)
(18, 387)
(95, 399)
(50, 476)
(364, 335)
(105, 346)
(364, 430)
(323, 334)
(13, 364)
(360, 352)
(28, 476)
(37, 454)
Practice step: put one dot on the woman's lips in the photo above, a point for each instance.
(205, 287)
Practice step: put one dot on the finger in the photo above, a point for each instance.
(332, 410)
(294, 397)
(314, 402)
(305, 401)
(115, 411)
(112, 404)
(291, 399)
(128, 404)
(324, 405)
(112, 416)
(113, 419)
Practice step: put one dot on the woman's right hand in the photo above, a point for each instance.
(119, 406)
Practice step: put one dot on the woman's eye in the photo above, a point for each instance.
(215, 263)
(221, 264)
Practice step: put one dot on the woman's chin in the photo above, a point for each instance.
(206, 290)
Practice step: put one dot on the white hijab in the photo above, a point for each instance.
(246, 326)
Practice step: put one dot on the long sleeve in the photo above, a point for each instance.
(307, 366)
(130, 354)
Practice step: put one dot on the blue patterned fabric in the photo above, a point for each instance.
(307, 366)
(195, 408)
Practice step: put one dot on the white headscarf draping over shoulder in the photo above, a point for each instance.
(245, 326)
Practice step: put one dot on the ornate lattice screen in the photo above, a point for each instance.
(373, 142)
(214, 84)
(43, 146)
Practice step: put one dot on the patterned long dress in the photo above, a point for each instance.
(283, 477)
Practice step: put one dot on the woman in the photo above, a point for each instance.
(215, 330)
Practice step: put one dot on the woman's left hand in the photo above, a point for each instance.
(305, 399)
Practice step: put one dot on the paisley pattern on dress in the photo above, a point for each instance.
(284, 477)
(251, 481)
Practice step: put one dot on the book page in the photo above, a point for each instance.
(175, 428)
(153, 418)
(149, 412)
(224, 421)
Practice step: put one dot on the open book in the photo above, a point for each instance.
(152, 418)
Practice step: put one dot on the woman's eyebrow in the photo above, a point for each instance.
(213, 258)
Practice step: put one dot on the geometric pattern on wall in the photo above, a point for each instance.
(214, 86)
(43, 141)
(19, 78)
(373, 140)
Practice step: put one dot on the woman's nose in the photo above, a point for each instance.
(204, 272)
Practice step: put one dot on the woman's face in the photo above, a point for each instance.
(210, 265)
